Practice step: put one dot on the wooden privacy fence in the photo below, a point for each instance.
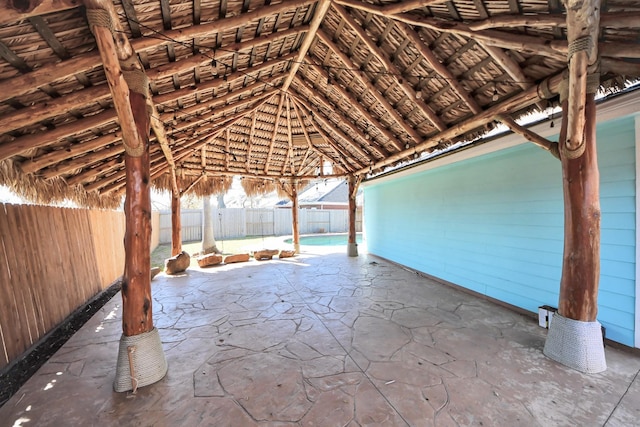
(52, 260)
(233, 223)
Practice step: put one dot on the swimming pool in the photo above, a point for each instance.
(326, 239)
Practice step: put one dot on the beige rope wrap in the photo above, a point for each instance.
(581, 44)
(99, 18)
(145, 354)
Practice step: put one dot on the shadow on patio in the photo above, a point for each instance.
(325, 340)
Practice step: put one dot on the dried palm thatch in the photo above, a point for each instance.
(202, 185)
(257, 186)
(54, 191)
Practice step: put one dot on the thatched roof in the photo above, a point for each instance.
(277, 89)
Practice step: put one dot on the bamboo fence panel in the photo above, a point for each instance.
(52, 260)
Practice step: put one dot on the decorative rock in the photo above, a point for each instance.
(287, 254)
(265, 254)
(155, 271)
(209, 260)
(230, 259)
(177, 264)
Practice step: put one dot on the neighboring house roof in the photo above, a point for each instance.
(328, 192)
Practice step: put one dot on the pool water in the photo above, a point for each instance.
(326, 240)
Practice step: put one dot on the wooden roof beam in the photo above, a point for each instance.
(250, 141)
(556, 49)
(82, 161)
(56, 156)
(326, 39)
(552, 48)
(516, 102)
(63, 165)
(310, 146)
(275, 134)
(16, 11)
(629, 19)
(186, 34)
(182, 65)
(363, 111)
(194, 146)
(321, 10)
(192, 113)
(389, 9)
(218, 83)
(44, 75)
(20, 144)
(289, 158)
(318, 116)
(439, 67)
(529, 135)
(395, 73)
(370, 144)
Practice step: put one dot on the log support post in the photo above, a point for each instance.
(176, 226)
(575, 336)
(141, 358)
(352, 245)
(294, 216)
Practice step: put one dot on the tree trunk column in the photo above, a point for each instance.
(176, 227)
(581, 260)
(294, 215)
(141, 358)
(208, 239)
(136, 281)
(352, 245)
(575, 336)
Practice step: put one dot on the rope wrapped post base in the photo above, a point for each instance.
(141, 361)
(352, 249)
(576, 344)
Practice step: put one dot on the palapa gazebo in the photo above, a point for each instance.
(101, 99)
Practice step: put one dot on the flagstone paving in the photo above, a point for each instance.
(326, 340)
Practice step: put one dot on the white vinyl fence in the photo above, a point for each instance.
(233, 223)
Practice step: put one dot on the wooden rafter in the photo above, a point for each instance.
(184, 147)
(514, 103)
(250, 141)
(326, 39)
(168, 70)
(321, 9)
(344, 120)
(289, 157)
(86, 62)
(275, 133)
(391, 68)
(553, 48)
(629, 19)
(310, 145)
(439, 67)
(319, 116)
(353, 102)
(15, 11)
(389, 9)
(529, 135)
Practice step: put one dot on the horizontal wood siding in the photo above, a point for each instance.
(52, 260)
(494, 224)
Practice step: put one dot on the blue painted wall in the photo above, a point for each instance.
(494, 224)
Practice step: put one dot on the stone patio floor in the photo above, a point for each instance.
(326, 340)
